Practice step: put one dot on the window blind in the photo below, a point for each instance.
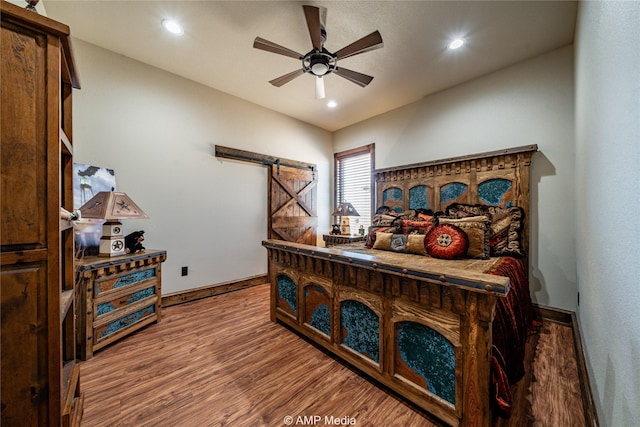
(353, 183)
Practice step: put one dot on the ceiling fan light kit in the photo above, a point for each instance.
(319, 61)
(319, 88)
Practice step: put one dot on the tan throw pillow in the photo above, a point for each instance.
(415, 244)
(383, 241)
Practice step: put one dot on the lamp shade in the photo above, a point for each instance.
(345, 209)
(111, 205)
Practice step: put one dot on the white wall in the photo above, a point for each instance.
(608, 202)
(529, 103)
(157, 130)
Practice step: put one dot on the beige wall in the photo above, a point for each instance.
(157, 130)
(529, 103)
(607, 200)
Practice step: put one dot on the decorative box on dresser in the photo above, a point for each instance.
(117, 296)
(40, 375)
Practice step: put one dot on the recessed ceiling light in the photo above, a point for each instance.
(332, 104)
(456, 44)
(172, 26)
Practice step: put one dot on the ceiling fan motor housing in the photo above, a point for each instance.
(319, 63)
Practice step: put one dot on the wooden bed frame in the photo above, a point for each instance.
(315, 289)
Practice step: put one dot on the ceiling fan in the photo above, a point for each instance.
(319, 61)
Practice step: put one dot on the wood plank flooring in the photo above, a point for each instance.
(220, 361)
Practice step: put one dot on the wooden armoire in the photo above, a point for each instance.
(40, 384)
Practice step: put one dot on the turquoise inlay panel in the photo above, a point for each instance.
(452, 191)
(138, 276)
(287, 291)
(128, 320)
(321, 315)
(492, 191)
(392, 194)
(361, 329)
(321, 319)
(106, 307)
(418, 197)
(430, 355)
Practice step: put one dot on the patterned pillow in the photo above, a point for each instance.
(477, 230)
(408, 226)
(391, 242)
(461, 210)
(382, 219)
(506, 229)
(447, 241)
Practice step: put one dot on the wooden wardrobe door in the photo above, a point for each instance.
(292, 204)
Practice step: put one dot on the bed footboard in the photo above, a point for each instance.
(423, 330)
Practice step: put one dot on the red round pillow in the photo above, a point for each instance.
(447, 241)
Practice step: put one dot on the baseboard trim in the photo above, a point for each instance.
(590, 414)
(211, 290)
(569, 318)
(556, 315)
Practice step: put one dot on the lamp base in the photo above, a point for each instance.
(112, 240)
(345, 228)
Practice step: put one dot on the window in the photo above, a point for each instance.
(353, 183)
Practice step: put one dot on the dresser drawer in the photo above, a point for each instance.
(108, 304)
(115, 324)
(118, 282)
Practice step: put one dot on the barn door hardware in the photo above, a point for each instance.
(263, 159)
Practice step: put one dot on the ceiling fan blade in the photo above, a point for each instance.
(365, 44)
(312, 14)
(353, 76)
(260, 43)
(286, 78)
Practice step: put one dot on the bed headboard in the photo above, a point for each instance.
(499, 178)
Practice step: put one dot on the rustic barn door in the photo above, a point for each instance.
(292, 204)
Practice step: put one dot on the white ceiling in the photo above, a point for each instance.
(216, 49)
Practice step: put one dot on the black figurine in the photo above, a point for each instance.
(133, 242)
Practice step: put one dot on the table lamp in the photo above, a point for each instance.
(344, 210)
(111, 206)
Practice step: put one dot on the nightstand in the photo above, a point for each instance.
(341, 239)
(116, 296)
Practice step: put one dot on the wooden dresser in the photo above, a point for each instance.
(40, 384)
(117, 296)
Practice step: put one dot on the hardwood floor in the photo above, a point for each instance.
(220, 361)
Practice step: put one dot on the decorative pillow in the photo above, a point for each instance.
(391, 242)
(416, 244)
(505, 235)
(398, 243)
(447, 241)
(461, 210)
(506, 230)
(371, 236)
(382, 219)
(408, 226)
(477, 230)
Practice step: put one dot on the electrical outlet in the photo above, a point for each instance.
(185, 271)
